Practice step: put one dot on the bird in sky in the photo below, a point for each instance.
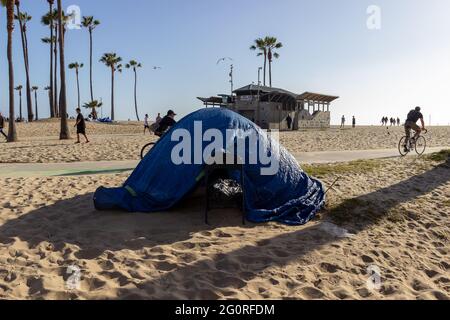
(224, 59)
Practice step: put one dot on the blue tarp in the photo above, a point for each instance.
(288, 196)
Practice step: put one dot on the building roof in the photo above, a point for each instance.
(263, 89)
(211, 100)
(305, 96)
(316, 97)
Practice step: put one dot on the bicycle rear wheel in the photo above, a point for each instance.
(401, 147)
(421, 145)
(146, 149)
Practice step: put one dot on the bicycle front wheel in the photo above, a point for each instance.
(421, 145)
(401, 147)
(146, 149)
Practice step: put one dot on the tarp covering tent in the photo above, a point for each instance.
(159, 182)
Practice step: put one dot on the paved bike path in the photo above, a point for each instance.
(108, 167)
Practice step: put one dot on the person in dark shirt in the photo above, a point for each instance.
(81, 126)
(289, 122)
(166, 123)
(411, 123)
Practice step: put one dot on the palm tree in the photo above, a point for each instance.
(51, 19)
(112, 61)
(50, 89)
(64, 20)
(90, 23)
(93, 105)
(19, 89)
(134, 65)
(35, 89)
(23, 19)
(9, 4)
(272, 44)
(77, 66)
(64, 134)
(48, 20)
(261, 46)
(50, 95)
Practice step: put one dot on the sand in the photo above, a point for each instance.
(397, 217)
(39, 142)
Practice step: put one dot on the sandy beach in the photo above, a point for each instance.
(39, 142)
(396, 213)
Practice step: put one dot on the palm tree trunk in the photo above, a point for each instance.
(12, 133)
(50, 97)
(20, 106)
(112, 93)
(270, 73)
(55, 88)
(52, 105)
(26, 64)
(90, 66)
(135, 94)
(64, 134)
(265, 67)
(78, 89)
(36, 105)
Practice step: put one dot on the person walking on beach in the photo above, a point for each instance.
(81, 126)
(289, 121)
(398, 122)
(354, 122)
(343, 122)
(2, 125)
(146, 124)
(158, 118)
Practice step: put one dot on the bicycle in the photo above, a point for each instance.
(417, 143)
(149, 146)
(146, 149)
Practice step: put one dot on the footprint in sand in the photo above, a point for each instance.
(165, 266)
(36, 286)
(221, 234)
(228, 282)
(115, 275)
(184, 246)
(106, 265)
(94, 284)
(440, 295)
(330, 268)
(431, 273)
(312, 293)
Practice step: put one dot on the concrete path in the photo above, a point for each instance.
(344, 156)
(107, 167)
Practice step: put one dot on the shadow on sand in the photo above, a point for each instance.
(75, 221)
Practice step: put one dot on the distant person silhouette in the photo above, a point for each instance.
(289, 122)
(343, 122)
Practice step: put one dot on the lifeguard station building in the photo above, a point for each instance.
(270, 107)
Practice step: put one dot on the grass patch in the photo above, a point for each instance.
(440, 156)
(360, 166)
(351, 211)
(359, 211)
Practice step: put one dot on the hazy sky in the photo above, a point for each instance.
(327, 48)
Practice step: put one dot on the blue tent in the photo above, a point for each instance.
(159, 182)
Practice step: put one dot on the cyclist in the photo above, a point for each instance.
(166, 123)
(411, 123)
